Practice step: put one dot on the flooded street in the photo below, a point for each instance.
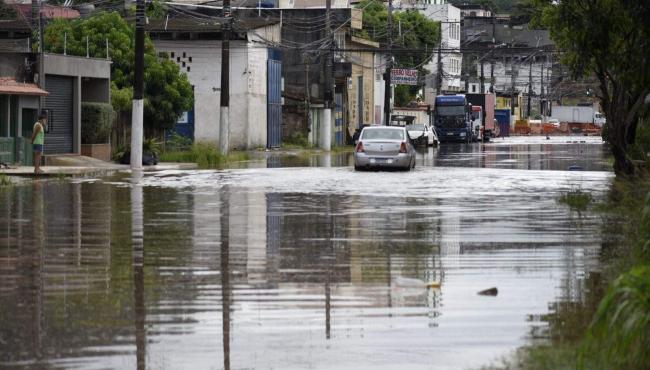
(299, 263)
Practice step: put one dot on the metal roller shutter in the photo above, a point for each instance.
(59, 138)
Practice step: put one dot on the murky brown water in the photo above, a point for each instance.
(297, 268)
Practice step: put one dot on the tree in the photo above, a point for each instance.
(7, 12)
(609, 39)
(413, 48)
(168, 92)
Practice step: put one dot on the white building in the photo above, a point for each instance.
(199, 56)
(450, 55)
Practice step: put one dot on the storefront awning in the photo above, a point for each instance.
(9, 86)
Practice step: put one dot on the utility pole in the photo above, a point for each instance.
(389, 65)
(512, 88)
(492, 76)
(439, 65)
(542, 105)
(137, 112)
(307, 97)
(224, 113)
(482, 79)
(326, 127)
(530, 87)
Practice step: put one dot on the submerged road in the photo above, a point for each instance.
(303, 267)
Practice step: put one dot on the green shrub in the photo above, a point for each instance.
(178, 142)
(5, 180)
(297, 139)
(204, 155)
(619, 336)
(96, 122)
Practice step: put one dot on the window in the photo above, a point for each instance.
(382, 134)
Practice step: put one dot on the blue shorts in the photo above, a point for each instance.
(38, 148)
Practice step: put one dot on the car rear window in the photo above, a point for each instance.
(415, 127)
(382, 134)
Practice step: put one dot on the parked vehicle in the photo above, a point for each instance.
(422, 134)
(384, 147)
(452, 118)
(487, 104)
(578, 114)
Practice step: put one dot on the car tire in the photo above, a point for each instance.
(358, 168)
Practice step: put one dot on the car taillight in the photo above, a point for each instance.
(402, 147)
(359, 148)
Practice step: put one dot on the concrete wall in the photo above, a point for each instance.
(66, 65)
(97, 90)
(362, 66)
(248, 76)
(11, 64)
(28, 102)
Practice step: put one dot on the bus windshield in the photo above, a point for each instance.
(450, 110)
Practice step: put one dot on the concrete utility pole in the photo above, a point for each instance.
(530, 87)
(439, 65)
(482, 79)
(326, 127)
(542, 105)
(224, 113)
(491, 76)
(389, 65)
(512, 88)
(137, 112)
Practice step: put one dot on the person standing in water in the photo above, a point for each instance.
(38, 140)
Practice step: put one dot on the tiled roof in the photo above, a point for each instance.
(9, 86)
(48, 11)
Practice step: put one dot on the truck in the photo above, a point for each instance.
(487, 103)
(574, 114)
(452, 118)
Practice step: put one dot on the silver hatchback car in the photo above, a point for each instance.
(384, 147)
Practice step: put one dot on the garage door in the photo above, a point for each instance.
(59, 138)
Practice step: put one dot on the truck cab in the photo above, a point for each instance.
(452, 118)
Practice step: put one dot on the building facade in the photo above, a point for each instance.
(451, 58)
(197, 52)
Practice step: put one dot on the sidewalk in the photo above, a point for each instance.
(86, 166)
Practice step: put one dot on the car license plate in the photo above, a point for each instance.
(380, 160)
(450, 133)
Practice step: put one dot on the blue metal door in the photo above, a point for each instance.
(339, 130)
(274, 104)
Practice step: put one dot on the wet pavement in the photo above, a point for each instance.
(300, 262)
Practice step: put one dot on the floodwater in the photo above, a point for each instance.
(304, 267)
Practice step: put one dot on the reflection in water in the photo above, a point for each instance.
(302, 264)
(137, 242)
(225, 276)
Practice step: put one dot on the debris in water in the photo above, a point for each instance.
(491, 292)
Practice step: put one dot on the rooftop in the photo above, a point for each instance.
(9, 86)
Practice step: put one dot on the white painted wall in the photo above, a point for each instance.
(248, 90)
